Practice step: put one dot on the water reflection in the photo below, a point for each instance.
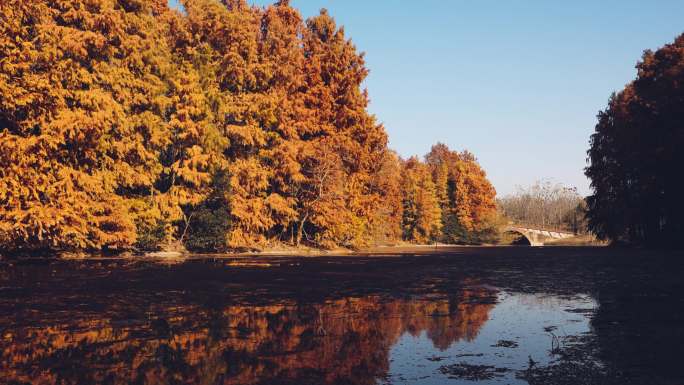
(519, 328)
(114, 330)
(346, 340)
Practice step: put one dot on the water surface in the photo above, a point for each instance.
(519, 327)
(373, 320)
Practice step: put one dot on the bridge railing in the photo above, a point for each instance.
(541, 227)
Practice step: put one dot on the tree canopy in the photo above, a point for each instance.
(125, 123)
(635, 155)
(546, 205)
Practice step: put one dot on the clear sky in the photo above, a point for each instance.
(518, 83)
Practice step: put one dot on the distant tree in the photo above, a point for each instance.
(422, 216)
(575, 219)
(386, 221)
(466, 197)
(635, 155)
(547, 205)
(474, 195)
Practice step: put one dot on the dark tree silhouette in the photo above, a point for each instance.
(635, 156)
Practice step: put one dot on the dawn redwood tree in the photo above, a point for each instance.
(125, 124)
(228, 35)
(467, 198)
(387, 220)
(422, 215)
(281, 51)
(635, 155)
(79, 120)
(255, 56)
(475, 191)
(338, 120)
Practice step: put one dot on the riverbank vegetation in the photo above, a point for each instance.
(636, 158)
(546, 205)
(125, 124)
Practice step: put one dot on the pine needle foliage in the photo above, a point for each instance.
(126, 124)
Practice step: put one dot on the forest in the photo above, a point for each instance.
(636, 158)
(129, 125)
(546, 205)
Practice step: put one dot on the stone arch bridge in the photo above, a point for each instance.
(537, 237)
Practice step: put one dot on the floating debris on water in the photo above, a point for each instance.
(505, 344)
(465, 371)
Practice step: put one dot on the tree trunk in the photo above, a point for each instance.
(300, 229)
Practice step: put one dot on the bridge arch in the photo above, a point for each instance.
(519, 238)
(537, 237)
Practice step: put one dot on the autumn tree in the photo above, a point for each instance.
(467, 198)
(228, 36)
(209, 223)
(256, 57)
(476, 192)
(386, 222)
(126, 124)
(82, 94)
(422, 215)
(191, 152)
(635, 155)
(336, 119)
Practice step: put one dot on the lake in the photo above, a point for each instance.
(508, 315)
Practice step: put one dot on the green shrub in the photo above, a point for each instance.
(210, 221)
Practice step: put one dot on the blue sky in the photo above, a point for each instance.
(518, 83)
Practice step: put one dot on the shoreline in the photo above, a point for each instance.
(268, 252)
(374, 251)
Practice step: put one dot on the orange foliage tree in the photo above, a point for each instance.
(123, 123)
(467, 198)
(79, 94)
(338, 128)
(422, 215)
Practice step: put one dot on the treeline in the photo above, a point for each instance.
(547, 205)
(636, 155)
(447, 199)
(126, 124)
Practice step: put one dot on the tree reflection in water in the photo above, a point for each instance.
(344, 340)
(344, 320)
